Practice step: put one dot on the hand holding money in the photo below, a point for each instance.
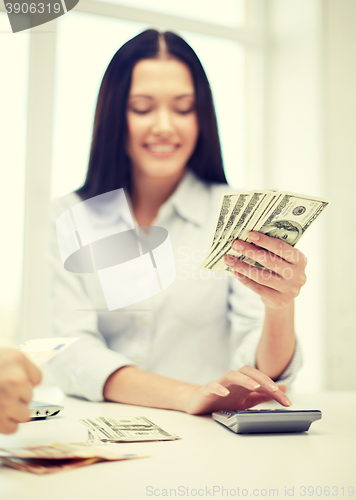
(254, 238)
(19, 373)
(18, 376)
(282, 272)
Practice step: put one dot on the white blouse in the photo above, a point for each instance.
(195, 330)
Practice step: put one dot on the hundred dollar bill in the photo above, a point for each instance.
(256, 205)
(238, 203)
(58, 457)
(39, 351)
(225, 211)
(282, 215)
(125, 430)
(288, 219)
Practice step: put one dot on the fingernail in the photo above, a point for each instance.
(253, 384)
(238, 246)
(272, 387)
(230, 259)
(253, 237)
(286, 401)
(223, 391)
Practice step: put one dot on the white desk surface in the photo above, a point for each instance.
(208, 456)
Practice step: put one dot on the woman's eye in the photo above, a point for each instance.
(140, 111)
(185, 111)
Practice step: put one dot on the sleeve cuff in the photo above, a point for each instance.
(82, 370)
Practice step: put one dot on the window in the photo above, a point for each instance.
(76, 91)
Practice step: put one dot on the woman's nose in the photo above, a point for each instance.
(163, 122)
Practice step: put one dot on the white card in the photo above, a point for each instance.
(39, 351)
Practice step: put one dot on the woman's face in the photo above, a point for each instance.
(161, 118)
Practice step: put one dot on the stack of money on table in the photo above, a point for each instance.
(278, 214)
(125, 430)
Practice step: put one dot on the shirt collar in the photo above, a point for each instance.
(190, 200)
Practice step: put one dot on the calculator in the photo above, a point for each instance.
(261, 421)
(40, 411)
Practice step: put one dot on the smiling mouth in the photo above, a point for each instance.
(161, 148)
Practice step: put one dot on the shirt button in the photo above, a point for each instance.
(144, 320)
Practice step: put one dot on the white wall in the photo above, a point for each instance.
(340, 179)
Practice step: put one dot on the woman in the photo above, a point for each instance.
(207, 342)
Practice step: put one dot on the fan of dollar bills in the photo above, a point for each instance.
(58, 457)
(279, 214)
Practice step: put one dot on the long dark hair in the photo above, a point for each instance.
(109, 166)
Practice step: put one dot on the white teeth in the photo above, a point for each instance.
(161, 148)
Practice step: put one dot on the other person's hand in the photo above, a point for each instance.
(236, 390)
(18, 376)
